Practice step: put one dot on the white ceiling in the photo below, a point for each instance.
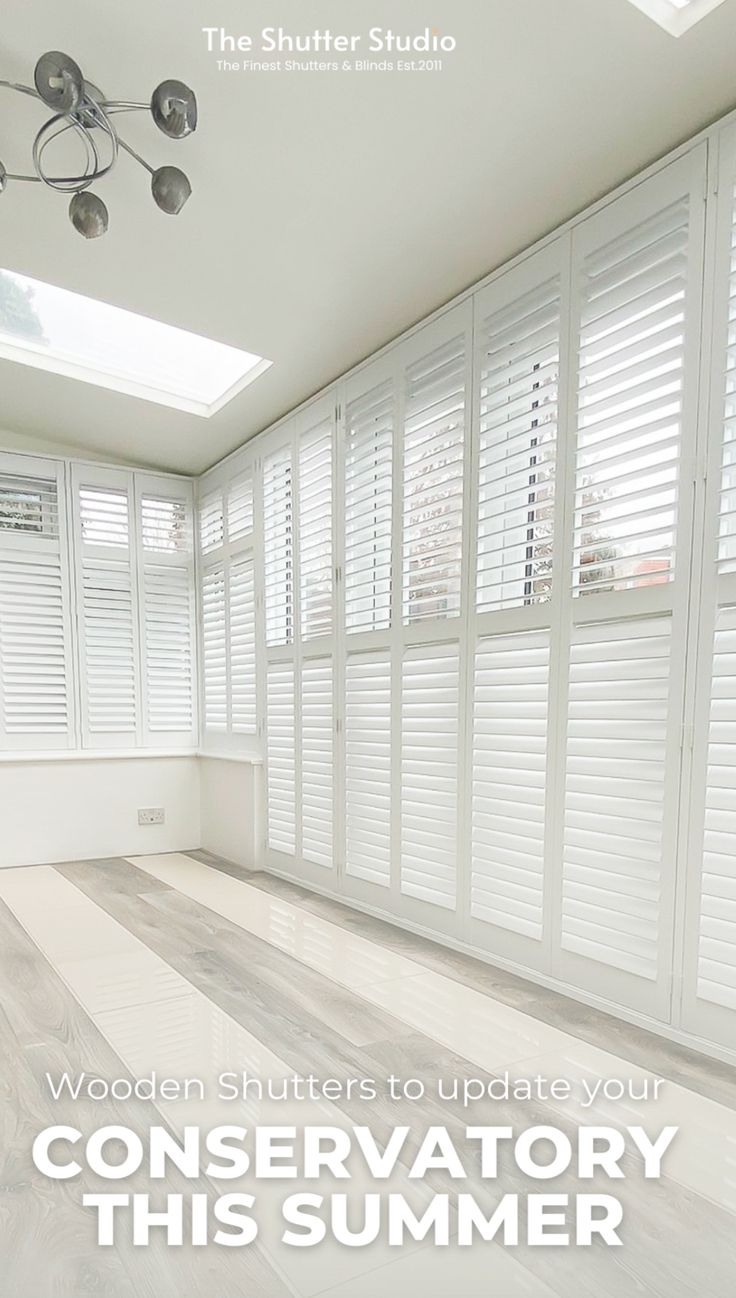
(330, 211)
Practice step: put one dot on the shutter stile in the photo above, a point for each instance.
(509, 778)
(518, 375)
(434, 422)
(368, 767)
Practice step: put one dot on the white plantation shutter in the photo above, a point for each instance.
(107, 591)
(35, 704)
(278, 529)
(368, 494)
(368, 767)
(434, 423)
(167, 596)
(281, 755)
(240, 507)
(243, 645)
(632, 358)
(315, 531)
(509, 780)
(214, 648)
(716, 979)
(317, 760)
(211, 521)
(429, 750)
(518, 370)
(615, 793)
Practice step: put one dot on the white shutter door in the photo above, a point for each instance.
(241, 591)
(368, 494)
(434, 425)
(317, 761)
(108, 598)
(281, 755)
(615, 785)
(509, 786)
(518, 372)
(35, 707)
(368, 767)
(429, 752)
(278, 529)
(315, 531)
(214, 648)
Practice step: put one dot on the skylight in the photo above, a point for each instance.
(94, 342)
(676, 16)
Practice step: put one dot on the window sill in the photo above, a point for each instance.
(96, 755)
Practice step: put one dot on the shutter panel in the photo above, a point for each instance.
(278, 507)
(240, 508)
(167, 588)
(108, 608)
(168, 648)
(614, 794)
(281, 757)
(34, 653)
(429, 750)
(632, 361)
(211, 522)
(509, 776)
(434, 422)
(315, 531)
(214, 648)
(368, 767)
(727, 503)
(316, 760)
(368, 493)
(717, 938)
(518, 368)
(243, 645)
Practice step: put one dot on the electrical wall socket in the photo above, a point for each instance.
(150, 815)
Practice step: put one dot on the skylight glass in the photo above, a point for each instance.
(94, 342)
(676, 16)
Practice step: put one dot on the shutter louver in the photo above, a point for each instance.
(717, 944)
(278, 508)
(168, 648)
(616, 747)
(509, 775)
(211, 522)
(243, 646)
(368, 493)
(315, 532)
(632, 360)
(240, 508)
(164, 525)
(316, 763)
(34, 668)
(518, 375)
(368, 767)
(214, 648)
(281, 757)
(434, 423)
(429, 747)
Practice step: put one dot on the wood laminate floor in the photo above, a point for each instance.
(183, 965)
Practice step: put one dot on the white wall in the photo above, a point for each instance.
(231, 798)
(76, 810)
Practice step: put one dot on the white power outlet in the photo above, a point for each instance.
(150, 815)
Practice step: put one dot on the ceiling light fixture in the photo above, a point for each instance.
(676, 16)
(78, 106)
